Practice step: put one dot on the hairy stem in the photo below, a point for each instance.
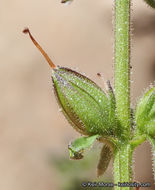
(123, 154)
(122, 63)
(123, 166)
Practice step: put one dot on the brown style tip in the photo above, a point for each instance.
(27, 31)
(99, 74)
(65, 1)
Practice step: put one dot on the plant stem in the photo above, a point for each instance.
(123, 154)
(122, 63)
(123, 166)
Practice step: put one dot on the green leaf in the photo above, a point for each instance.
(151, 3)
(145, 113)
(76, 148)
(105, 157)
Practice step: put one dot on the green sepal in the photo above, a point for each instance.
(112, 110)
(76, 148)
(145, 114)
(150, 3)
(112, 101)
(105, 157)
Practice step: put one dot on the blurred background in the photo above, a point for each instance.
(34, 135)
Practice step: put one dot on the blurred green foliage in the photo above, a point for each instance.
(72, 173)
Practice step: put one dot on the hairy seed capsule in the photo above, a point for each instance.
(84, 104)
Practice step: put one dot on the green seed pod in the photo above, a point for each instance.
(85, 105)
(145, 113)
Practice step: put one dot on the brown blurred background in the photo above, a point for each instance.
(77, 36)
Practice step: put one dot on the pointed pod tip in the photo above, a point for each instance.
(99, 173)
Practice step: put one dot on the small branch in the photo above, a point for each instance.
(151, 3)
